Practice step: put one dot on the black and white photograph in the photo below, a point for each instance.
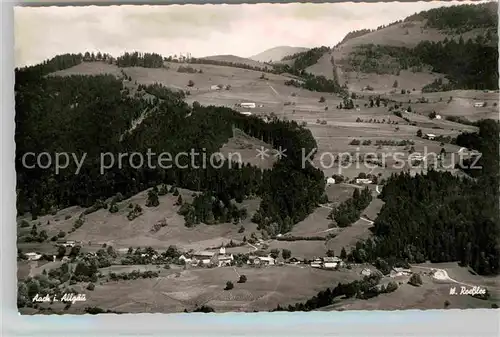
(257, 157)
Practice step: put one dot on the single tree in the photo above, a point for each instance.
(286, 254)
(229, 285)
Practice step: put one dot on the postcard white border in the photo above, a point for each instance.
(349, 323)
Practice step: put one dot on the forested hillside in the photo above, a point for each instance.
(91, 115)
(468, 65)
(441, 218)
(460, 18)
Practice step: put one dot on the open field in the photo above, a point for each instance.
(245, 147)
(360, 230)
(115, 229)
(432, 294)
(265, 289)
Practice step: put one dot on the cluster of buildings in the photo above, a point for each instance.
(220, 87)
(327, 262)
(208, 258)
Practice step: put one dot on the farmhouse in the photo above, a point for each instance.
(332, 262)
(185, 259)
(363, 181)
(215, 87)
(395, 272)
(478, 104)
(264, 260)
(438, 117)
(204, 257)
(330, 181)
(316, 263)
(248, 105)
(294, 260)
(430, 136)
(246, 113)
(33, 256)
(225, 260)
(69, 243)
(366, 272)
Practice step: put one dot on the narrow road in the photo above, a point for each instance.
(365, 219)
(442, 275)
(254, 248)
(276, 92)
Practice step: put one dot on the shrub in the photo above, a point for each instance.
(391, 287)
(229, 285)
(242, 279)
(415, 280)
(91, 286)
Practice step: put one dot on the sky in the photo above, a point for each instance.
(202, 30)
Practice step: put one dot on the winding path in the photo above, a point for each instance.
(443, 276)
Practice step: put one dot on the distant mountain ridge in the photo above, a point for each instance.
(277, 53)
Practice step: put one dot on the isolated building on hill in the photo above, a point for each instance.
(33, 256)
(395, 272)
(330, 181)
(478, 104)
(246, 113)
(430, 136)
(363, 181)
(366, 272)
(248, 105)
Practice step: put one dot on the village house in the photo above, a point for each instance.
(294, 260)
(366, 272)
(215, 87)
(66, 243)
(478, 104)
(205, 257)
(438, 117)
(332, 262)
(363, 181)
(185, 259)
(263, 260)
(330, 181)
(430, 136)
(316, 263)
(224, 259)
(246, 113)
(248, 105)
(396, 272)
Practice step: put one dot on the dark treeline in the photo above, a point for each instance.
(440, 217)
(210, 210)
(462, 17)
(350, 210)
(307, 58)
(26, 75)
(264, 68)
(93, 114)
(354, 34)
(308, 81)
(136, 59)
(468, 65)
